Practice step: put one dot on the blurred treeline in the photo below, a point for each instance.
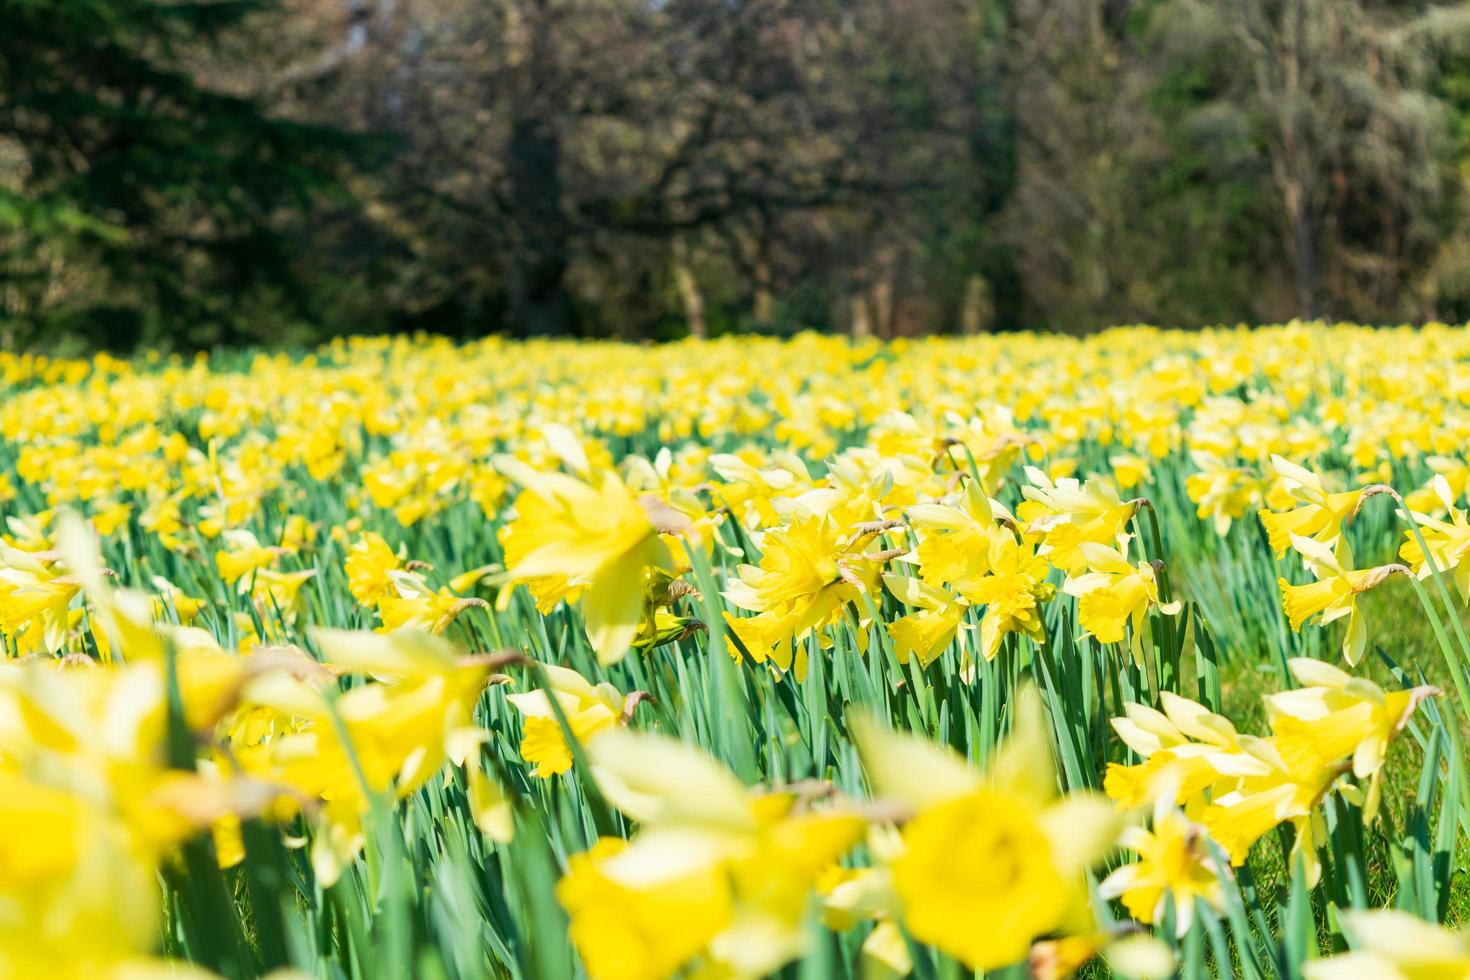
(199, 171)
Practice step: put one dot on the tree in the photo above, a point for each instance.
(1338, 102)
(138, 199)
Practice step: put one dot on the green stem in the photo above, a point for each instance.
(1456, 671)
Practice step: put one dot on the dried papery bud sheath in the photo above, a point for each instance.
(630, 705)
(459, 607)
(1378, 575)
(665, 519)
(1374, 490)
(692, 627)
(888, 554)
(1417, 696)
(862, 533)
(877, 527)
(289, 660)
(846, 574)
(497, 659)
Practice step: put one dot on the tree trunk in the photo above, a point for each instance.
(976, 312)
(689, 291)
(884, 293)
(860, 318)
(765, 301)
(539, 302)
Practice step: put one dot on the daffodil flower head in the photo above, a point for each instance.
(1113, 594)
(1334, 715)
(1174, 863)
(735, 869)
(588, 533)
(1335, 592)
(1320, 515)
(999, 848)
(1393, 945)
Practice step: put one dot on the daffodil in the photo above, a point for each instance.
(1114, 593)
(36, 592)
(749, 484)
(1185, 748)
(1012, 592)
(280, 593)
(368, 565)
(1429, 499)
(734, 870)
(1222, 493)
(1389, 944)
(954, 539)
(1174, 864)
(1270, 791)
(701, 521)
(244, 556)
(400, 730)
(811, 570)
(853, 895)
(927, 632)
(1333, 716)
(1239, 786)
(998, 848)
(1320, 514)
(589, 710)
(588, 534)
(1334, 594)
(1069, 514)
(1448, 542)
(1130, 470)
(413, 605)
(186, 607)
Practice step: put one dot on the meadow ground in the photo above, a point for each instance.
(1143, 653)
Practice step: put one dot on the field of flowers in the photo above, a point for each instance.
(1018, 655)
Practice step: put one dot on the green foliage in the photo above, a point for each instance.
(174, 172)
(172, 206)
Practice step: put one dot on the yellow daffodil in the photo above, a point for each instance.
(368, 565)
(590, 710)
(1320, 514)
(1174, 864)
(954, 539)
(401, 729)
(1334, 715)
(1114, 593)
(999, 848)
(1335, 593)
(930, 630)
(1221, 493)
(413, 605)
(36, 592)
(735, 871)
(1013, 592)
(592, 535)
(1448, 542)
(1388, 944)
(1069, 514)
(811, 570)
(1185, 747)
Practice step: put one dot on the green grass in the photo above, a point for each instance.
(432, 896)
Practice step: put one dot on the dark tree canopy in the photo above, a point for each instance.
(190, 173)
(140, 198)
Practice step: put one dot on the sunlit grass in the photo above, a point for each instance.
(413, 452)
